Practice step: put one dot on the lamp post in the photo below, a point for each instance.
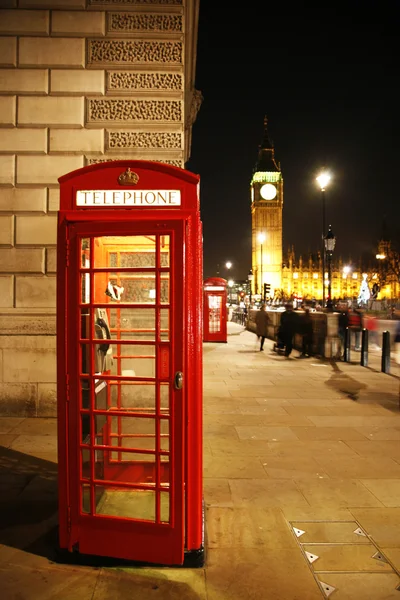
(250, 278)
(330, 242)
(230, 285)
(261, 239)
(323, 179)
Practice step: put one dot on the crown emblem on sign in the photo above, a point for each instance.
(128, 177)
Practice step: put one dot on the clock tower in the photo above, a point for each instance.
(266, 189)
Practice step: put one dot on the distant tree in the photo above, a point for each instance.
(388, 265)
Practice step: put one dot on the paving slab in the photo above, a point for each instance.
(307, 444)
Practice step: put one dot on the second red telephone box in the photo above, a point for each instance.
(215, 310)
(129, 363)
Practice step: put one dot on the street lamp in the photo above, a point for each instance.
(261, 239)
(250, 278)
(329, 242)
(228, 264)
(323, 179)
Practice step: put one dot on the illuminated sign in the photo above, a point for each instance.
(147, 198)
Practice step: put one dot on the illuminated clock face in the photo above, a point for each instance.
(268, 191)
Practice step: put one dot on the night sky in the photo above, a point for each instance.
(328, 84)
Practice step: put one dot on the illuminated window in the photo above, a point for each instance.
(295, 275)
(355, 276)
(315, 275)
(305, 275)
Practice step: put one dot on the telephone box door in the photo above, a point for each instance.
(124, 410)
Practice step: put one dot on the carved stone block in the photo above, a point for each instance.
(124, 52)
(143, 139)
(93, 160)
(131, 22)
(120, 110)
(125, 3)
(125, 81)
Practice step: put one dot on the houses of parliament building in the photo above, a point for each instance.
(297, 277)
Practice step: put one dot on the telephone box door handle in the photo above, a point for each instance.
(178, 380)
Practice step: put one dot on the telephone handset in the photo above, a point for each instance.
(104, 350)
(103, 332)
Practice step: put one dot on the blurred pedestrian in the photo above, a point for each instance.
(356, 324)
(371, 324)
(343, 323)
(397, 346)
(287, 328)
(306, 330)
(262, 321)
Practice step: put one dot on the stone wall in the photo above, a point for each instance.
(81, 81)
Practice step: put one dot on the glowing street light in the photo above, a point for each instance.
(323, 180)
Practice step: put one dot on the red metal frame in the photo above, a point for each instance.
(120, 537)
(215, 310)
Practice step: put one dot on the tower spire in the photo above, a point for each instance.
(266, 159)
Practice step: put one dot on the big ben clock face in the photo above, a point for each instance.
(268, 191)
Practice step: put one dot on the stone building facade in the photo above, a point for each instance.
(81, 81)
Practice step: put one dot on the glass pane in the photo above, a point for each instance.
(126, 503)
(130, 432)
(85, 358)
(85, 505)
(85, 428)
(125, 251)
(85, 324)
(85, 253)
(131, 360)
(164, 432)
(85, 463)
(129, 467)
(85, 288)
(164, 507)
(132, 323)
(138, 259)
(135, 288)
(164, 324)
(214, 313)
(164, 250)
(132, 395)
(164, 288)
(101, 394)
(164, 398)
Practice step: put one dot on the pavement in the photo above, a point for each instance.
(301, 488)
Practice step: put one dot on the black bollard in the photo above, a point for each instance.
(364, 348)
(385, 352)
(347, 338)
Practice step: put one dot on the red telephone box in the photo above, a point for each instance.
(215, 310)
(129, 363)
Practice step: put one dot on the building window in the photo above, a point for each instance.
(295, 275)
(315, 275)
